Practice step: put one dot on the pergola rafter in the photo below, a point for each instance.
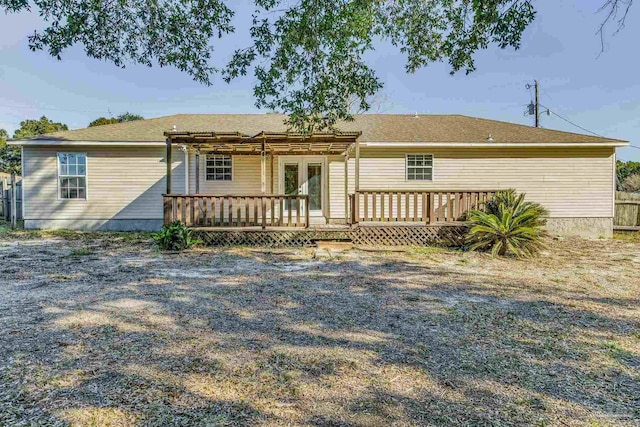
(271, 142)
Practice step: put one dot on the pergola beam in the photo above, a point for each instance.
(169, 165)
(346, 186)
(198, 171)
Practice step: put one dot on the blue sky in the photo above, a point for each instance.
(598, 92)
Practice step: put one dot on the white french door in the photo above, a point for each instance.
(304, 175)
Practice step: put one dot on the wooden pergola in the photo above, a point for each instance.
(267, 145)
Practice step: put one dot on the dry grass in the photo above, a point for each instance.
(628, 236)
(100, 330)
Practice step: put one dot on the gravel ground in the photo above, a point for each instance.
(103, 330)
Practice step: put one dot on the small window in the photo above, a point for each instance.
(219, 167)
(419, 167)
(72, 175)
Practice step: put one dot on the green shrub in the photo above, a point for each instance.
(175, 237)
(507, 224)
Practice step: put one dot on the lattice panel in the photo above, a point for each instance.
(451, 235)
(409, 236)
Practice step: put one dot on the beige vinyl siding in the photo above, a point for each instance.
(336, 185)
(570, 182)
(246, 176)
(122, 183)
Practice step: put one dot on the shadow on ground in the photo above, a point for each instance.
(121, 335)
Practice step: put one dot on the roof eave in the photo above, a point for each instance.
(65, 142)
(488, 144)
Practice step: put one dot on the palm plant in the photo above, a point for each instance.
(175, 237)
(507, 224)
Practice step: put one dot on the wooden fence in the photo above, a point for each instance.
(204, 210)
(627, 212)
(414, 206)
(5, 200)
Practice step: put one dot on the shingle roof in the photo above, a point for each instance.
(374, 128)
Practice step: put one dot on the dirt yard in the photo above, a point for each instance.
(103, 330)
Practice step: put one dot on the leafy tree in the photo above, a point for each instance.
(626, 169)
(126, 117)
(9, 155)
(307, 56)
(632, 183)
(38, 127)
(508, 224)
(103, 121)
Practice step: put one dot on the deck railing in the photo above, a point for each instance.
(209, 210)
(414, 206)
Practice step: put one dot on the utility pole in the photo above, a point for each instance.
(533, 109)
(537, 106)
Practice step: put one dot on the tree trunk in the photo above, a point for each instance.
(503, 249)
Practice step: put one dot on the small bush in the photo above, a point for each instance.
(507, 224)
(175, 237)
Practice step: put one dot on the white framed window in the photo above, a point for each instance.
(72, 176)
(419, 167)
(219, 167)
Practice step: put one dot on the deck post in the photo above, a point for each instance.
(198, 171)
(272, 172)
(346, 187)
(263, 169)
(169, 165)
(306, 212)
(355, 215)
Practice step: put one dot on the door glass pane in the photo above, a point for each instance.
(291, 183)
(314, 183)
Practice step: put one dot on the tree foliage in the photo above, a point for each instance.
(126, 117)
(9, 155)
(37, 127)
(10, 158)
(626, 169)
(308, 57)
(632, 183)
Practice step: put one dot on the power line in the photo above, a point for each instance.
(570, 122)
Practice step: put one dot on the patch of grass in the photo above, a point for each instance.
(531, 402)
(426, 250)
(78, 253)
(112, 236)
(627, 236)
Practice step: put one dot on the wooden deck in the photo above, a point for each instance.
(375, 218)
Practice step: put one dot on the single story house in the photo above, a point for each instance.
(248, 170)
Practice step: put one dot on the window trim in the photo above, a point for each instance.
(233, 168)
(86, 176)
(406, 167)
